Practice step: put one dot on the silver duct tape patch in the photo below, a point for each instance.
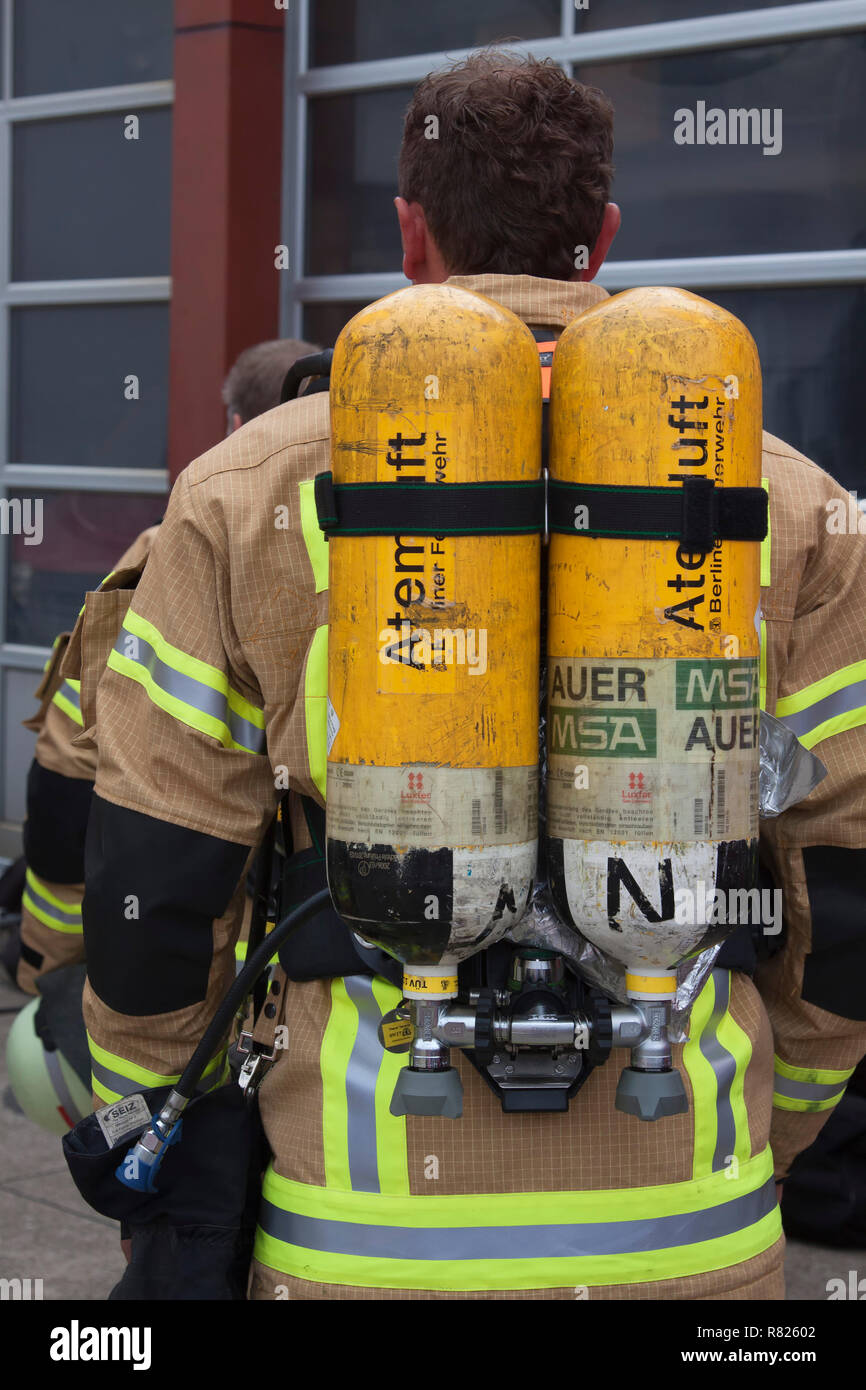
(124, 1119)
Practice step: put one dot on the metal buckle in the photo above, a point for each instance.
(256, 1066)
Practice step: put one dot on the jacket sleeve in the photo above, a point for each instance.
(815, 987)
(183, 792)
(59, 790)
(59, 786)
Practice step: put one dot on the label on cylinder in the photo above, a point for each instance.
(653, 749)
(425, 805)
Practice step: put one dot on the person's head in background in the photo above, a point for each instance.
(253, 383)
(505, 168)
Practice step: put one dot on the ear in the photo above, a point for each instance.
(422, 263)
(609, 228)
(236, 421)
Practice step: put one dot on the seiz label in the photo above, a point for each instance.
(123, 1119)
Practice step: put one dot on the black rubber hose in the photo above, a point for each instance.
(241, 987)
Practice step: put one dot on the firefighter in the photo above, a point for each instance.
(213, 703)
(60, 780)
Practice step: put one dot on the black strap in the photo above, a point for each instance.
(259, 915)
(696, 514)
(316, 364)
(429, 509)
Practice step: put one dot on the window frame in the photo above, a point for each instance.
(14, 473)
(818, 18)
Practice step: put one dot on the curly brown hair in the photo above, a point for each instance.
(520, 168)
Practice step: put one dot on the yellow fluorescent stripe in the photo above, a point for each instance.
(518, 1208)
(69, 928)
(821, 1076)
(762, 665)
(765, 543)
(143, 1074)
(317, 546)
(739, 1044)
(109, 1097)
(704, 1084)
(851, 719)
(337, 1044)
(391, 1148)
(315, 707)
(467, 1275)
(38, 886)
(806, 1106)
(819, 690)
(178, 709)
(191, 666)
(67, 707)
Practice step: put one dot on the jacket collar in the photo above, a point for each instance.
(545, 303)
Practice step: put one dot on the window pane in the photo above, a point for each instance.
(352, 180)
(67, 45)
(812, 345)
(89, 203)
(322, 322)
(353, 31)
(81, 536)
(693, 200)
(617, 14)
(69, 366)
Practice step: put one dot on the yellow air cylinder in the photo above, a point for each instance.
(433, 639)
(652, 651)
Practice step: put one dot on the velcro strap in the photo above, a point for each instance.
(429, 509)
(696, 513)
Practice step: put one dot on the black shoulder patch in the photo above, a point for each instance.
(152, 891)
(834, 977)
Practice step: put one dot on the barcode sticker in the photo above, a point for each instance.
(499, 803)
(721, 814)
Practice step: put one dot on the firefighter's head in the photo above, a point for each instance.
(253, 383)
(506, 166)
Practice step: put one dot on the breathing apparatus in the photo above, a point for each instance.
(434, 509)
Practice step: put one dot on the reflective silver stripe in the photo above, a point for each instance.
(850, 697)
(724, 1067)
(61, 1090)
(807, 1090)
(69, 693)
(361, 1075)
(517, 1241)
(125, 1086)
(187, 689)
(68, 918)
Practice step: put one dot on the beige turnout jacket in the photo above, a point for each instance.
(227, 588)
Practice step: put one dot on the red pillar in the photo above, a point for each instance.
(226, 157)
